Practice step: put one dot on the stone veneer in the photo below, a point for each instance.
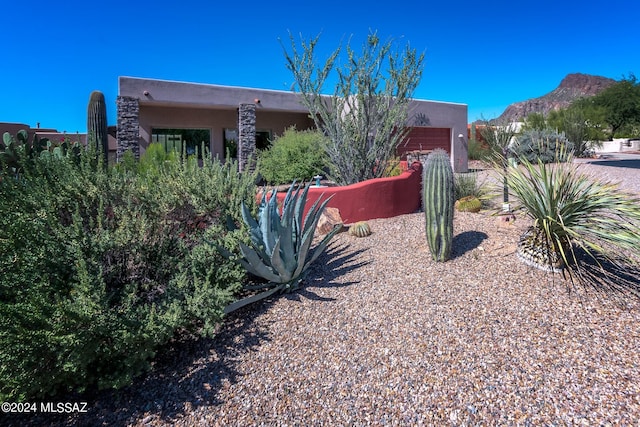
(246, 137)
(128, 133)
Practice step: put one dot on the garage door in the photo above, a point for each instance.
(425, 138)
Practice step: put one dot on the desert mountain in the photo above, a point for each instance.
(572, 87)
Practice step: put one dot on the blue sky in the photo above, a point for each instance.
(483, 54)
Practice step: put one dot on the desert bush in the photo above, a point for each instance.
(577, 222)
(102, 266)
(295, 155)
(467, 184)
(155, 158)
(545, 145)
(476, 151)
(366, 115)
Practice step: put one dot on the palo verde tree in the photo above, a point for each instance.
(620, 104)
(365, 117)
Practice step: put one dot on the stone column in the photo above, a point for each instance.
(128, 132)
(246, 137)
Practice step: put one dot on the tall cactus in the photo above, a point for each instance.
(97, 123)
(438, 201)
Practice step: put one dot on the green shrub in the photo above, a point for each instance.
(476, 151)
(296, 155)
(101, 267)
(155, 158)
(467, 184)
(545, 145)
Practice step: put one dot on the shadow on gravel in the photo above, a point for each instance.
(189, 371)
(335, 262)
(626, 163)
(466, 241)
(615, 278)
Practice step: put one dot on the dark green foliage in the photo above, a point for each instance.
(296, 155)
(545, 145)
(620, 104)
(578, 123)
(438, 193)
(102, 266)
(97, 123)
(535, 121)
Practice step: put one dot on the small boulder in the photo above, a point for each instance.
(329, 218)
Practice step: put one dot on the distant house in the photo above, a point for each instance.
(57, 136)
(51, 134)
(184, 116)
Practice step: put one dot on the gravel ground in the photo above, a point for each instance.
(382, 335)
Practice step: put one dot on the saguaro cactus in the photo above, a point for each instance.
(437, 197)
(97, 123)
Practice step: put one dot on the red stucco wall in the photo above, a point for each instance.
(374, 198)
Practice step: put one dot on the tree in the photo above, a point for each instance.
(535, 121)
(621, 104)
(365, 117)
(576, 130)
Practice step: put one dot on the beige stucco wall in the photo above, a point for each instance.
(278, 122)
(216, 120)
(445, 115)
(168, 104)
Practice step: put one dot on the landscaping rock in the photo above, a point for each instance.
(329, 219)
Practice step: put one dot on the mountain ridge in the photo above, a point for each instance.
(572, 87)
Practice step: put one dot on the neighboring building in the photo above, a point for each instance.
(51, 134)
(186, 115)
(56, 136)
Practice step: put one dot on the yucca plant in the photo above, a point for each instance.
(578, 221)
(280, 248)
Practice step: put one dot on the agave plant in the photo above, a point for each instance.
(575, 218)
(280, 248)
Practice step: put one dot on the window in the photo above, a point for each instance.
(231, 143)
(263, 141)
(184, 141)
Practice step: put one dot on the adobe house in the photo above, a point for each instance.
(185, 115)
(56, 136)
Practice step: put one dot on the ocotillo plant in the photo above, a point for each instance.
(97, 123)
(437, 197)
